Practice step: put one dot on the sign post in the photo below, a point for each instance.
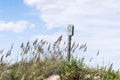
(70, 33)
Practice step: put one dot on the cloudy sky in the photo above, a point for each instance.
(97, 23)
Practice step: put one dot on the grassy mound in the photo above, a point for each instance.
(40, 60)
(73, 70)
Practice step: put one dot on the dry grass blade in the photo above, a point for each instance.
(59, 38)
(82, 46)
(43, 43)
(1, 58)
(85, 45)
(28, 47)
(35, 56)
(40, 50)
(58, 41)
(33, 53)
(73, 45)
(74, 49)
(1, 51)
(83, 58)
(41, 40)
(8, 53)
(46, 43)
(85, 49)
(49, 47)
(90, 59)
(77, 45)
(22, 45)
(35, 42)
(97, 53)
(37, 59)
(27, 44)
(11, 47)
(64, 43)
(25, 51)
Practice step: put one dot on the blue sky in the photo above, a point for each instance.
(97, 23)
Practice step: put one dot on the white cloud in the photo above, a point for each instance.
(97, 22)
(60, 12)
(17, 26)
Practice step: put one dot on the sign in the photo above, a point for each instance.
(70, 30)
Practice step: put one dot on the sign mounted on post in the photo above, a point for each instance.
(70, 33)
(70, 30)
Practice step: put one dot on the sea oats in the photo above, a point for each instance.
(35, 42)
(1, 51)
(8, 53)
(22, 45)
(97, 53)
(1, 59)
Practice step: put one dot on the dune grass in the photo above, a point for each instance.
(41, 59)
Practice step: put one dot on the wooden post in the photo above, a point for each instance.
(69, 48)
(70, 32)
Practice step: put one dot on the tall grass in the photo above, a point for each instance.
(41, 59)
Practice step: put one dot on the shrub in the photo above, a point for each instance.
(73, 70)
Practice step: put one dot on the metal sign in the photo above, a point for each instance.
(70, 30)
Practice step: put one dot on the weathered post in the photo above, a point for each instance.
(70, 33)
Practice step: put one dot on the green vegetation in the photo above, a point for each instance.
(41, 59)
